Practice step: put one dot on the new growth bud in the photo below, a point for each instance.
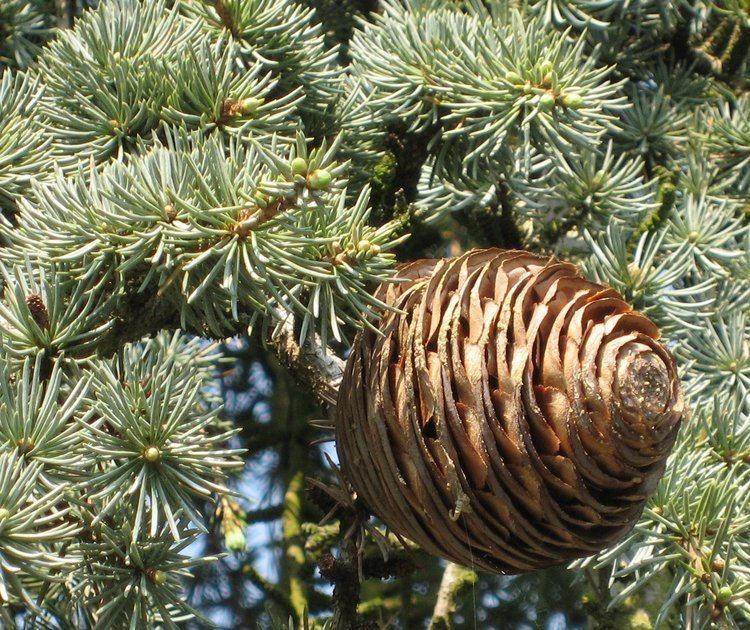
(249, 106)
(152, 454)
(724, 596)
(235, 539)
(547, 101)
(299, 166)
(320, 179)
(573, 101)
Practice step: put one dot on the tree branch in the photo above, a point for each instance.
(263, 515)
(66, 10)
(343, 574)
(494, 225)
(455, 580)
(346, 589)
(272, 590)
(294, 554)
(225, 16)
(312, 364)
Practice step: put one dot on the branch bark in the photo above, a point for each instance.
(346, 589)
(312, 363)
(264, 515)
(225, 16)
(455, 580)
(342, 572)
(294, 555)
(272, 590)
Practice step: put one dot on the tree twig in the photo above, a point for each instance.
(225, 16)
(343, 574)
(65, 11)
(262, 515)
(346, 590)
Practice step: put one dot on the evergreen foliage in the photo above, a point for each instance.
(176, 173)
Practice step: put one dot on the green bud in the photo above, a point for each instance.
(724, 596)
(364, 246)
(320, 179)
(249, 106)
(152, 454)
(574, 101)
(640, 620)
(235, 539)
(263, 200)
(299, 166)
(514, 78)
(159, 577)
(546, 67)
(547, 101)
(4, 513)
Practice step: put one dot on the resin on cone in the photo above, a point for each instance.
(511, 416)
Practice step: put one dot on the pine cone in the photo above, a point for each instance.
(38, 310)
(512, 416)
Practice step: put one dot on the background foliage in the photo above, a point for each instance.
(174, 174)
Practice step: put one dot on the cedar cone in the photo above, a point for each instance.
(511, 416)
(38, 310)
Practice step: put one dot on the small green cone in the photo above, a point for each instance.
(574, 101)
(152, 454)
(235, 539)
(320, 179)
(724, 596)
(514, 78)
(250, 106)
(299, 166)
(159, 577)
(547, 101)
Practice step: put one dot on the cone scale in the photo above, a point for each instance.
(511, 416)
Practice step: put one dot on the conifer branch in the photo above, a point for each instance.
(456, 579)
(342, 572)
(276, 594)
(311, 362)
(173, 173)
(66, 9)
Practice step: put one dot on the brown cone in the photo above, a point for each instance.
(512, 416)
